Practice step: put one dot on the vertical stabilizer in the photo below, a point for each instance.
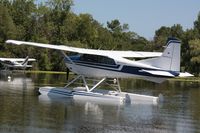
(172, 54)
(170, 59)
(25, 62)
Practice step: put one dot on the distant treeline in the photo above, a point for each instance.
(54, 22)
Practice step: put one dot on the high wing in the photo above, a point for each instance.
(109, 53)
(16, 59)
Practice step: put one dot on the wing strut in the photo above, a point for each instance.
(103, 79)
(118, 85)
(71, 82)
(94, 86)
(67, 57)
(85, 83)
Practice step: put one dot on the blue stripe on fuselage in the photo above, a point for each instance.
(78, 62)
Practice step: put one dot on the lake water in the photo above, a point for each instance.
(23, 110)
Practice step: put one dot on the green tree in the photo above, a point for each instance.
(177, 31)
(195, 56)
(86, 30)
(45, 63)
(60, 5)
(164, 32)
(21, 12)
(114, 26)
(7, 29)
(123, 38)
(197, 24)
(161, 36)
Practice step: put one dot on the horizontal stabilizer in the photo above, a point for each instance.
(31, 59)
(185, 74)
(159, 73)
(29, 66)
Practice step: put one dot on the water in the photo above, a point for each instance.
(23, 110)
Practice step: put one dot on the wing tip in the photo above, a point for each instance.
(13, 42)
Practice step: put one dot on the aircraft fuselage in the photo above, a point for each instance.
(101, 66)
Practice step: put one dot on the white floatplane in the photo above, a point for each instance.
(106, 64)
(16, 63)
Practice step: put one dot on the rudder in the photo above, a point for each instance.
(170, 59)
(25, 62)
(172, 54)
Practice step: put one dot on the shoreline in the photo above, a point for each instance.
(189, 79)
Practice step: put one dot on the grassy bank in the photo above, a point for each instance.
(189, 79)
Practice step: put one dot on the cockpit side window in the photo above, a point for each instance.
(97, 59)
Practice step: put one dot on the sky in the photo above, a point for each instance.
(143, 16)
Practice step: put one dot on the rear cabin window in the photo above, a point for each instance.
(97, 59)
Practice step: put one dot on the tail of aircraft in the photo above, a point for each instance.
(25, 62)
(170, 59)
(168, 63)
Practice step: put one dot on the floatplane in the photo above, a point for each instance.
(16, 63)
(106, 64)
(10, 64)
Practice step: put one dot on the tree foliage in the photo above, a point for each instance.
(7, 29)
(194, 46)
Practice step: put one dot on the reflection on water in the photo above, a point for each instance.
(23, 110)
